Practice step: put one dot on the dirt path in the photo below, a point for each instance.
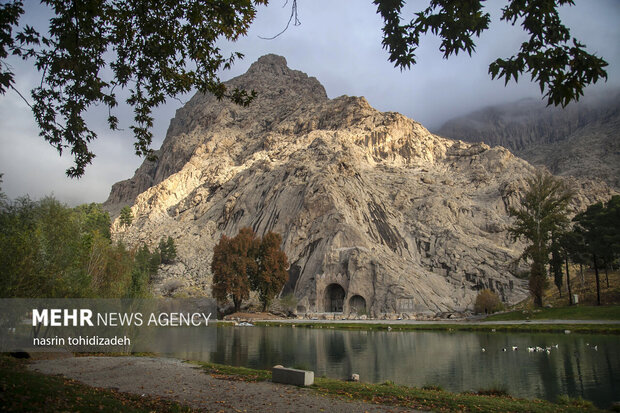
(190, 385)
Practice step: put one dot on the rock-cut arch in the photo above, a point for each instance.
(334, 298)
(357, 304)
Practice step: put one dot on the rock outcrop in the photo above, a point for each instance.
(376, 213)
(582, 140)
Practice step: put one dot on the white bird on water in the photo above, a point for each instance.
(483, 349)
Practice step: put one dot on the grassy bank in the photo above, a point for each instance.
(517, 328)
(578, 312)
(428, 398)
(22, 390)
(25, 390)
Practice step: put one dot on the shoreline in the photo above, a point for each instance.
(206, 385)
(518, 326)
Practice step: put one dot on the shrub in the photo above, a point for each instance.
(432, 387)
(288, 303)
(497, 391)
(487, 302)
(171, 286)
(575, 402)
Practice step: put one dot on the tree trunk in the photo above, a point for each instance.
(606, 274)
(237, 302)
(538, 300)
(537, 283)
(581, 274)
(598, 284)
(570, 295)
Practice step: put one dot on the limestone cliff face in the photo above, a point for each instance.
(581, 140)
(373, 209)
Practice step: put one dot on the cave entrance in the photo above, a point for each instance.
(357, 304)
(334, 298)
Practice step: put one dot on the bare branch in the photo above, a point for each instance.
(293, 15)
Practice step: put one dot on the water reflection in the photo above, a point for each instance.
(454, 361)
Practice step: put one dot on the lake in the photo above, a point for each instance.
(586, 366)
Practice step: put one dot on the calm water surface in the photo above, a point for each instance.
(454, 361)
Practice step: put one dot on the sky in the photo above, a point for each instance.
(339, 43)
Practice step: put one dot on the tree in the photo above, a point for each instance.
(487, 302)
(558, 63)
(167, 250)
(233, 265)
(272, 271)
(92, 217)
(141, 273)
(599, 229)
(572, 249)
(171, 250)
(160, 50)
(2, 195)
(542, 214)
(155, 50)
(126, 217)
(610, 233)
(50, 250)
(557, 261)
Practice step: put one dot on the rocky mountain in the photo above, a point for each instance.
(581, 140)
(376, 213)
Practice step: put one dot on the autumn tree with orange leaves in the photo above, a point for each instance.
(272, 271)
(245, 261)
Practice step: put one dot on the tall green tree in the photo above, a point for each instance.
(126, 217)
(542, 213)
(233, 265)
(272, 271)
(50, 250)
(556, 264)
(141, 273)
(167, 250)
(92, 217)
(588, 226)
(610, 233)
(572, 249)
(599, 229)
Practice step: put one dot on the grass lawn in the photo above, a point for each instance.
(22, 390)
(587, 309)
(576, 312)
(432, 398)
(449, 327)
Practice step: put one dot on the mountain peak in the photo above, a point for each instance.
(269, 62)
(374, 210)
(274, 81)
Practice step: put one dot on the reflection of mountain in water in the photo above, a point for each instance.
(452, 360)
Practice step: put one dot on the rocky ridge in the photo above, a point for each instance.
(375, 212)
(582, 140)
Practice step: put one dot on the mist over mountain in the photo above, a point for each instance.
(373, 208)
(581, 140)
